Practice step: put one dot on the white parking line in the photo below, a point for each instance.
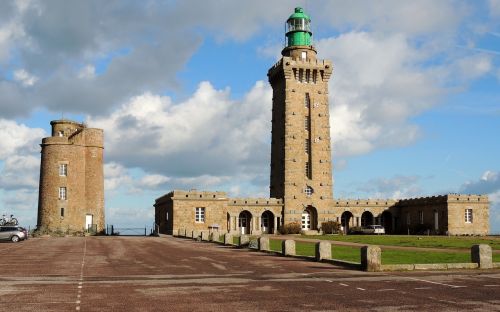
(491, 285)
(387, 289)
(423, 288)
(360, 288)
(436, 283)
(342, 284)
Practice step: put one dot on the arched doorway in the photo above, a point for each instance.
(309, 218)
(244, 222)
(345, 220)
(366, 219)
(267, 222)
(386, 221)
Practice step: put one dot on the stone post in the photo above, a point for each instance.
(288, 247)
(264, 243)
(215, 237)
(228, 239)
(275, 225)
(371, 258)
(323, 251)
(184, 232)
(481, 254)
(204, 235)
(175, 233)
(194, 234)
(244, 240)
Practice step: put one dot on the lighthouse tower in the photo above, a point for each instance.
(301, 168)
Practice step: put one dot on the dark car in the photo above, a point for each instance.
(13, 233)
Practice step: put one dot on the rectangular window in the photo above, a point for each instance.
(315, 76)
(63, 170)
(62, 193)
(421, 217)
(301, 75)
(308, 76)
(303, 55)
(62, 212)
(199, 215)
(307, 101)
(468, 215)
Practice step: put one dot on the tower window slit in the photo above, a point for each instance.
(307, 101)
(308, 76)
(301, 75)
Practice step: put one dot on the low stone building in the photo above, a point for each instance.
(301, 182)
(214, 211)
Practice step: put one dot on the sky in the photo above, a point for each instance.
(181, 91)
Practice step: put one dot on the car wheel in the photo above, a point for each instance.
(14, 239)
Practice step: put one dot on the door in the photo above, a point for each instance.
(88, 221)
(306, 220)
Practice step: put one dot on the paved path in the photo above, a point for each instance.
(173, 274)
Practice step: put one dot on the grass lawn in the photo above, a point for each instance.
(236, 240)
(413, 241)
(352, 254)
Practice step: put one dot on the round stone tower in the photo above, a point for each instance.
(71, 191)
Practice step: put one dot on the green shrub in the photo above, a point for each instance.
(291, 228)
(330, 227)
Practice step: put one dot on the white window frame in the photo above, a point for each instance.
(469, 217)
(308, 191)
(63, 193)
(63, 170)
(199, 215)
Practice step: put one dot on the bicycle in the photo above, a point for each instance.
(8, 221)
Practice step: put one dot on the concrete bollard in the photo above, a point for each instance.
(244, 240)
(228, 239)
(482, 255)
(215, 237)
(264, 243)
(323, 250)
(204, 235)
(194, 234)
(371, 258)
(288, 247)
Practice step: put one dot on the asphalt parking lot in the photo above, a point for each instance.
(174, 274)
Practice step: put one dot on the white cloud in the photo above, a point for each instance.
(377, 86)
(153, 180)
(115, 176)
(20, 172)
(474, 66)
(17, 138)
(207, 134)
(396, 187)
(25, 78)
(87, 72)
(494, 7)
